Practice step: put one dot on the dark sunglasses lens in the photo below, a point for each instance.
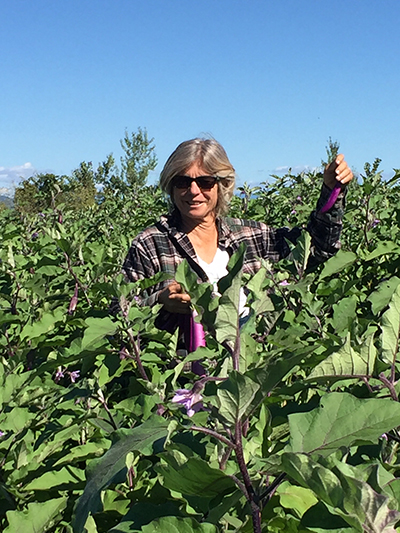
(182, 182)
(204, 182)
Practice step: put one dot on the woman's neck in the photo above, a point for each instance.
(203, 235)
(204, 226)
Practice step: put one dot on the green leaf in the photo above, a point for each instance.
(301, 252)
(380, 298)
(352, 499)
(97, 329)
(102, 471)
(336, 264)
(235, 396)
(310, 474)
(370, 507)
(195, 477)
(344, 313)
(36, 518)
(67, 477)
(347, 362)
(261, 302)
(46, 323)
(16, 419)
(342, 420)
(383, 248)
(235, 266)
(90, 525)
(318, 519)
(275, 370)
(142, 513)
(186, 277)
(299, 499)
(84, 451)
(173, 524)
(227, 321)
(12, 384)
(391, 328)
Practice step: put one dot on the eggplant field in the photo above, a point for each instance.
(294, 424)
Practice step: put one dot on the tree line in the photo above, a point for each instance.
(87, 185)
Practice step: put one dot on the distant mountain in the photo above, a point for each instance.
(6, 200)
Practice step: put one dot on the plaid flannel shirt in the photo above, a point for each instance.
(160, 248)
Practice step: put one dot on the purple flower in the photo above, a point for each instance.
(298, 198)
(375, 222)
(190, 399)
(293, 212)
(59, 374)
(284, 283)
(34, 235)
(2, 434)
(74, 375)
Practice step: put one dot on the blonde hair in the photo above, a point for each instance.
(212, 157)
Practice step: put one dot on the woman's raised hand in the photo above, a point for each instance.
(174, 299)
(337, 172)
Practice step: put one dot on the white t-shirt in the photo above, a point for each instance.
(217, 270)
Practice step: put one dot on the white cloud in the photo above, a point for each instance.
(10, 177)
(294, 170)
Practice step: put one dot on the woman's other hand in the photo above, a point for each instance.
(337, 172)
(174, 299)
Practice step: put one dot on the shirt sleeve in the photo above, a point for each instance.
(325, 228)
(138, 265)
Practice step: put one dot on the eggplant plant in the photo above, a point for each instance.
(292, 423)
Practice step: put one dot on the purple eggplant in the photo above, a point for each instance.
(332, 198)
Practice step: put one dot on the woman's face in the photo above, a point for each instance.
(195, 203)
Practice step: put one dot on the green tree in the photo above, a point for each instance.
(332, 151)
(139, 158)
(39, 192)
(80, 189)
(108, 180)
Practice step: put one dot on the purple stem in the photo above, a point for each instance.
(332, 198)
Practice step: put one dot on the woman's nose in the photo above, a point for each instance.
(194, 188)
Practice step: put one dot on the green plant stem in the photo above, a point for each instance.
(251, 498)
(236, 351)
(214, 434)
(271, 488)
(240, 485)
(389, 385)
(15, 295)
(225, 458)
(136, 351)
(77, 281)
(365, 227)
(110, 416)
(393, 365)
(393, 437)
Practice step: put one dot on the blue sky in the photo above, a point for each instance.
(271, 80)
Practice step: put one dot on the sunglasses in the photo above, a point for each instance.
(205, 183)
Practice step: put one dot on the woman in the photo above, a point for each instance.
(200, 180)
